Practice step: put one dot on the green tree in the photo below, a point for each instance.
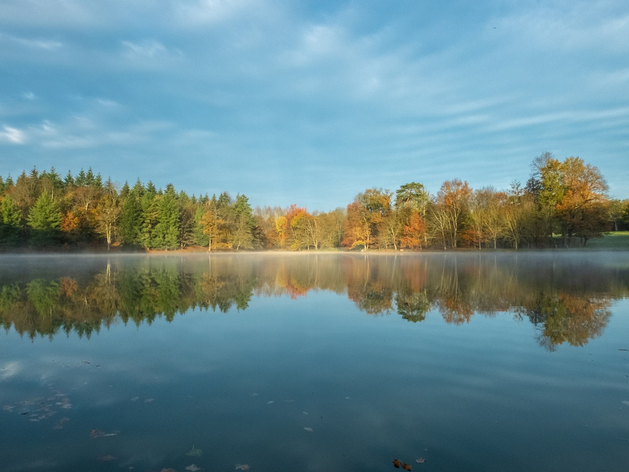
(148, 204)
(44, 219)
(166, 232)
(10, 222)
(244, 223)
(615, 210)
(131, 216)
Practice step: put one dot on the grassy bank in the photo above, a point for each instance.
(615, 240)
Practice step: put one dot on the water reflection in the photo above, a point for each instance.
(567, 298)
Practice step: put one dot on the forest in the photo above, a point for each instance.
(563, 204)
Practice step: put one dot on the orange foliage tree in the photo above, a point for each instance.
(414, 232)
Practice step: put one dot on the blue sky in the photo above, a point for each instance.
(312, 102)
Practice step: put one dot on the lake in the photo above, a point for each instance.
(315, 362)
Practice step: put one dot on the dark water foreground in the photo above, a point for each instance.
(315, 362)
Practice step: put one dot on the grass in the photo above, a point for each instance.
(615, 240)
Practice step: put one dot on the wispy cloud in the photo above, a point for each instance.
(12, 135)
(144, 49)
(46, 44)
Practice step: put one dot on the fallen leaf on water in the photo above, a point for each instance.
(242, 467)
(107, 458)
(194, 452)
(308, 428)
(193, 468)
(421, 460)
(401, 465)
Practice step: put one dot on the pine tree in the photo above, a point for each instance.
(44, 219)
(243, 224)
(148, 219)
(10, 222)
(166, 232)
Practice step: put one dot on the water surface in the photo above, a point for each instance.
(315, 362)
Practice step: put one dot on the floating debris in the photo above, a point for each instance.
(149, 400)
(242, 467)
(193, 468)
(401, 465)
(623, 350)
(194, 452)
(270, 402)
(308, 428)
(625, 402)
(421, 460)
(107, 458)
(135, 399)
(305, 412)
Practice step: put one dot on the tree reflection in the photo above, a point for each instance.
(567, 299)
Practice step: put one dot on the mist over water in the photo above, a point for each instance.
(493, 361)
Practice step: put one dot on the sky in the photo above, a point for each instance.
(311, 102)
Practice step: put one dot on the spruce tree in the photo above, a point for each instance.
(44, 220)
(166, 232)
(10, 222)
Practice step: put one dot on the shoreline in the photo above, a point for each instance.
(326, 252)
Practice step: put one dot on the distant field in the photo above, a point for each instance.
(616, 240)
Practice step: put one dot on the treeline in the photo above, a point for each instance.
(568, 300)
(567, 198)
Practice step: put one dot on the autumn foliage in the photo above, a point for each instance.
(564, 203)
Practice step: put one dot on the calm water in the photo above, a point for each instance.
(315, 362)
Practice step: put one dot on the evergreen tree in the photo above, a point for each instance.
(148, 219)
(243, 224)
(131, 218)
(44, 219)
(200, 238)
(166, 232)
(81, 179)
(10, 222)
(68, 181)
